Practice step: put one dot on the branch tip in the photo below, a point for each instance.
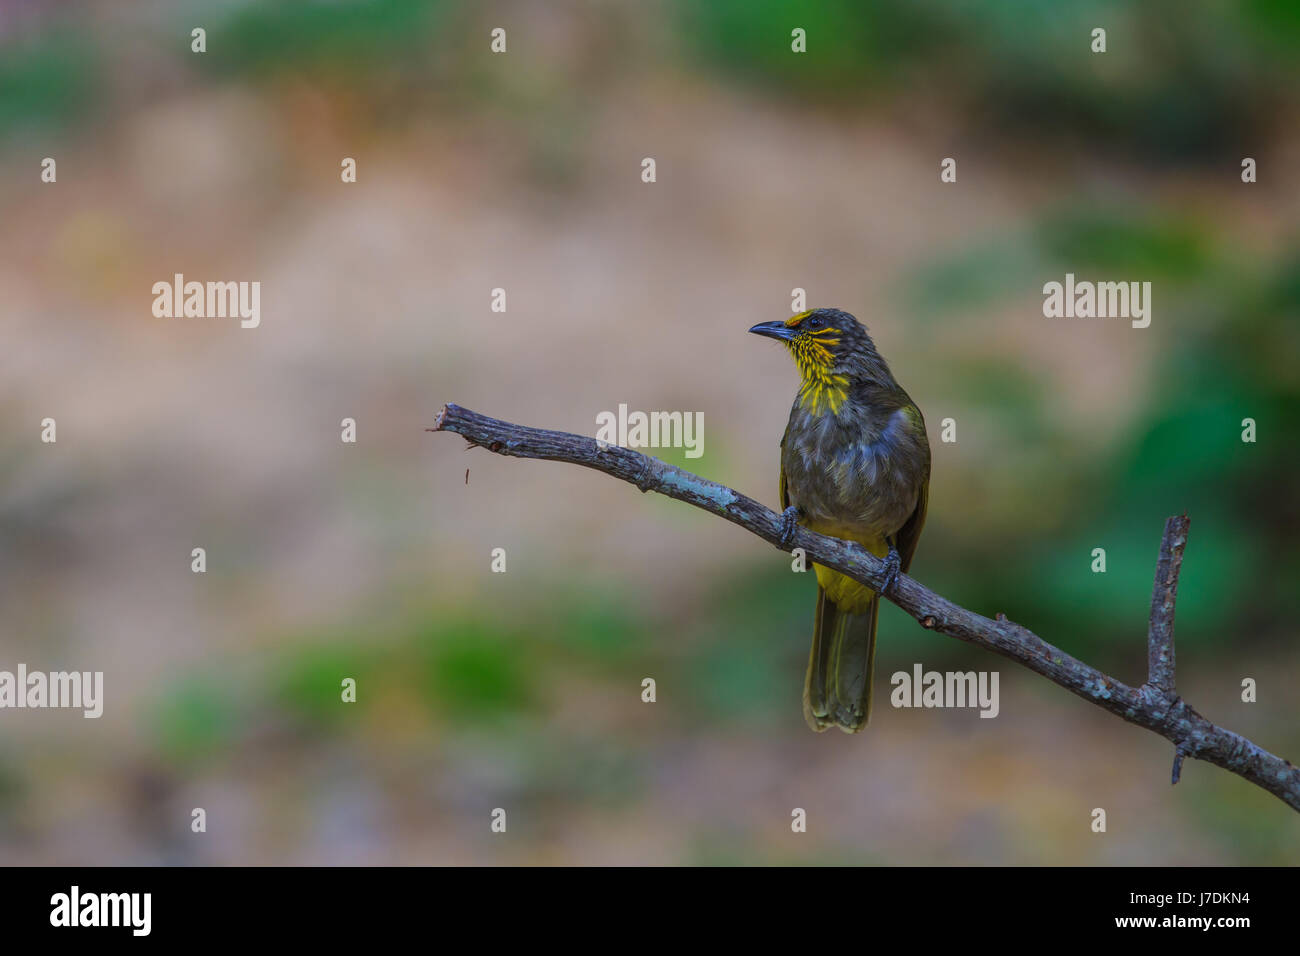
(439, 419)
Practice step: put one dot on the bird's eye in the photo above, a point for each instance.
(815, 322)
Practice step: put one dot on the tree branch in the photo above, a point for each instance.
(1154, 706)
(1160, 636)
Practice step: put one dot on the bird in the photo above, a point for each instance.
(855, 464)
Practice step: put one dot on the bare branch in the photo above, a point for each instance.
(1160, 636)
(1150, 706)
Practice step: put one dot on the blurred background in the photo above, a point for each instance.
(523, 171)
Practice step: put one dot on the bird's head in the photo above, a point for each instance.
(832, 350)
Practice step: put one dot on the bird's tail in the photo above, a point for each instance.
(837, 690)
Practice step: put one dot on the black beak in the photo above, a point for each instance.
(774, 330)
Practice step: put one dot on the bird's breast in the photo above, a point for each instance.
(857, 478)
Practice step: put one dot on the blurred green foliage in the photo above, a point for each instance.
(1182, 450)
(472, 670)
(47, 82)
(1181, 80)
(747, 642)
(341, 36)
(1152, 246)
(309, 683)
(195, 718)
(857, 44)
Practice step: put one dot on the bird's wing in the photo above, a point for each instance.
(910, 533)
(784, 492)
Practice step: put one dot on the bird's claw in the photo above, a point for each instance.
(893, 564)
(789, 522)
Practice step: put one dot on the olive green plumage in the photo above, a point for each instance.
(855, 464)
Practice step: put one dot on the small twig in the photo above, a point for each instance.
(1161, 677)
(1150, 706)
(1160, 633)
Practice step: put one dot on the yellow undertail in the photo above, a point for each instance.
(837, 687)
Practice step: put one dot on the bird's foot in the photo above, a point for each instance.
(789, 522)
(893, 564)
